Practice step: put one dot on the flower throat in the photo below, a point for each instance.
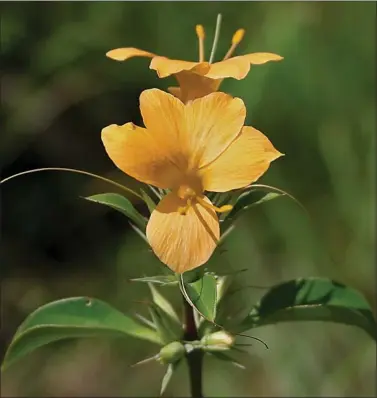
(191, 197)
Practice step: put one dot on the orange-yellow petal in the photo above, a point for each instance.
(139, 154)
(246, 159)
(261, 58)
(167, 67)
(122, 54)
(176, 91)
(194, 86)
(212, 123)
(163, 116)
(239, 67)
(182, 242)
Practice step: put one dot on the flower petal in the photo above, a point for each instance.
(261, 58)
(176, 91)
(194, 86)
(166, 66)
(246, 159)
(212, 123)
(136, 152)
(239, 67)
(122, 54)
(163, 115)
(182, 242)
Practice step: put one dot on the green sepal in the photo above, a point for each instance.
(225, 357)
(168, 329)
(163, 303)
(167, 377)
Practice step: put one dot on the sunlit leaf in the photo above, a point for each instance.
(202, 295)
(311, 299)
(73, 318)
(121, 204)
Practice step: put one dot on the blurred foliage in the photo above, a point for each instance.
(318, 106)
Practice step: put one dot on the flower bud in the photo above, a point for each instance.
(218, 341)
(172, 352)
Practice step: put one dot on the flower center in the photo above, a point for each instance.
(191, 197)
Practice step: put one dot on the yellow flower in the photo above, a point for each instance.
(188, 149)
(197, 79)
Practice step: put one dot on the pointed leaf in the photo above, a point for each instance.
(162, 280)
(249, 199)
(167, 377)
(73, 318)
(311, 299)
(148, 200)
(225, 357)
(168, 330)
(163, 303)
(202, 295)
(121, 204)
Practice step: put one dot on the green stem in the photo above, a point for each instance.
(194, 358)
(73, 171)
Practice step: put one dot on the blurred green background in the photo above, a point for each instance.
(318, 106)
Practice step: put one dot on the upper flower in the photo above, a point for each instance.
(197, 79)
(188, 149)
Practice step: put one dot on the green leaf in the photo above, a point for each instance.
(167, 329)
(167, 377)
(311, 299)
(253, 195)
(202, 295)
(148, 200)
(249, 199)
(162, 280)
(73, 318)
(163, 303)
(225, 357)
(122, 204)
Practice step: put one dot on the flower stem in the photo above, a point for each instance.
(194, 358)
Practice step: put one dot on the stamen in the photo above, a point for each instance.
(236, 40)
(216, 38)
(184, 209)
(222, 209)
(201, 36)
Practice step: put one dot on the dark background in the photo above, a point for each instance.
(318, 106)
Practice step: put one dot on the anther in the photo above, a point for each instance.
(236, 39)
(200, 31)
(238, 36)
(201, 35)
(222, 209)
